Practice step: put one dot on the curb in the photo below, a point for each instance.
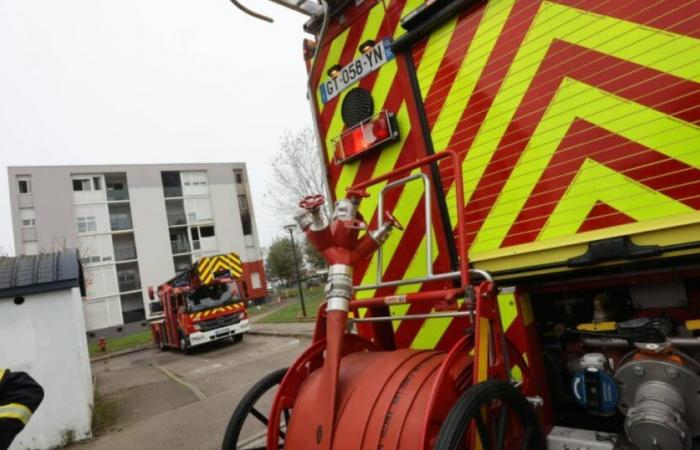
(303, 335)
(126, 351)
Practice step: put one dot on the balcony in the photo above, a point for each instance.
(179, 247)
(172, 191)
(116, 195)
(175, 219)
(120, 223)
(129, 285)
(124, 254)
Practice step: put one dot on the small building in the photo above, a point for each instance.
(42, 332)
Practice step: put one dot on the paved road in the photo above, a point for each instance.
(171, 401)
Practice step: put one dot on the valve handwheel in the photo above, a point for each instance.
(312, 201)
(389, 217)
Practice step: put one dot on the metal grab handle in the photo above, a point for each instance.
(428, 220)
(461, 226)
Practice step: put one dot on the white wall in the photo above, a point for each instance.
(45, 337)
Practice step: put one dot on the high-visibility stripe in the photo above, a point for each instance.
(649, 127)
(336, 47)
(2, 373)
(462, 88)
(507, 309)
(380, 89)
(596, 182)
(15, 411)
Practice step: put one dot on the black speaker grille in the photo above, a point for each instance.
(358, 105)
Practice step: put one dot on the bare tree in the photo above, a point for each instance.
(298, 171)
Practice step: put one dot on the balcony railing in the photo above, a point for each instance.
(124, 254)
(114, 195)
(129, 285)
(119, 224)
(172, 191)
(176, 219)
(179, 247)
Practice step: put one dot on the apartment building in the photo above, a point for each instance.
(135, 226)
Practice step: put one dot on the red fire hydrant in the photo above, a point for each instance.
(102, 344)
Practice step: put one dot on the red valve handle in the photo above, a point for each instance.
(312, 201)
(357, 193)
(389, 217)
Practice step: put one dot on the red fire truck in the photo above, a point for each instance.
(515, 237)
(200, 305)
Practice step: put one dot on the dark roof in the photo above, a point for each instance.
(30, 274)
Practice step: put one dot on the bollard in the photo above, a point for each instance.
(102, 344)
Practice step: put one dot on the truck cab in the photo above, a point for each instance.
(201, 305)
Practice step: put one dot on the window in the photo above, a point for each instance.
(27, 217)
(239, 176)
(82, 184)
(246, 223)
(255, 280)
(24, 184)
(97, 183)
(206, 232)
(243, 202)
(87, 224)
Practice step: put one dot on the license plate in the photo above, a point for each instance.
(358, 69)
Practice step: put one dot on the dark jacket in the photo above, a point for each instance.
(20, 396)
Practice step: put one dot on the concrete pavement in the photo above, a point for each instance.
(167, 400)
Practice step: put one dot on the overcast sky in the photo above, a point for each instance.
(147, 81)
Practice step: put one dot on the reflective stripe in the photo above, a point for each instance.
(2, 373)
(15, 411)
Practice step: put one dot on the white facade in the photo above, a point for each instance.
(28, 342)
(134, 226)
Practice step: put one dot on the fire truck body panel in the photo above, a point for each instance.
(201, 305)
(576, 121)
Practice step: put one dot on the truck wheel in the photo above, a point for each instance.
(237, 337)
(161, 345)
(247, 409)
(184, 345)
(510, 420)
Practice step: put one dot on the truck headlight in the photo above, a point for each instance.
(197, 327)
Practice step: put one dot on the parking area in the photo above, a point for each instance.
(154, 399)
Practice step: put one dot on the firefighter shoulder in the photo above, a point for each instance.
(20, 396)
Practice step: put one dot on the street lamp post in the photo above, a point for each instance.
(290, 228)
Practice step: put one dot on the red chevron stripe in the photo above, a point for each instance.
(667, 15)
(451, 61)
(604, 216)
(610, 74)
(648, 167)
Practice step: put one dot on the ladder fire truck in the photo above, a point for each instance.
(200, 305)
(538, 162)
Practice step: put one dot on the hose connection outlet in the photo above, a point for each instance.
(339, 288)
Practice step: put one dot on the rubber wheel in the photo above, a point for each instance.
(237, 338)
(506, 405)
(184, 346)
(246, 408)
(161, 345)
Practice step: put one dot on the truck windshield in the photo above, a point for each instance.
(212, 296)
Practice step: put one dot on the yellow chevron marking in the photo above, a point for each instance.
(651, 128)
(625, 40)
(480, 48)
(507, 308)
(596, 182)
(493, 19)
(380, 92)
(332, 59)
(435, 50)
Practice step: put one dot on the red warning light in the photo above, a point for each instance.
(370, 134)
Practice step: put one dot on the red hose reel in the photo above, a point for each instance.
(345, 392)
